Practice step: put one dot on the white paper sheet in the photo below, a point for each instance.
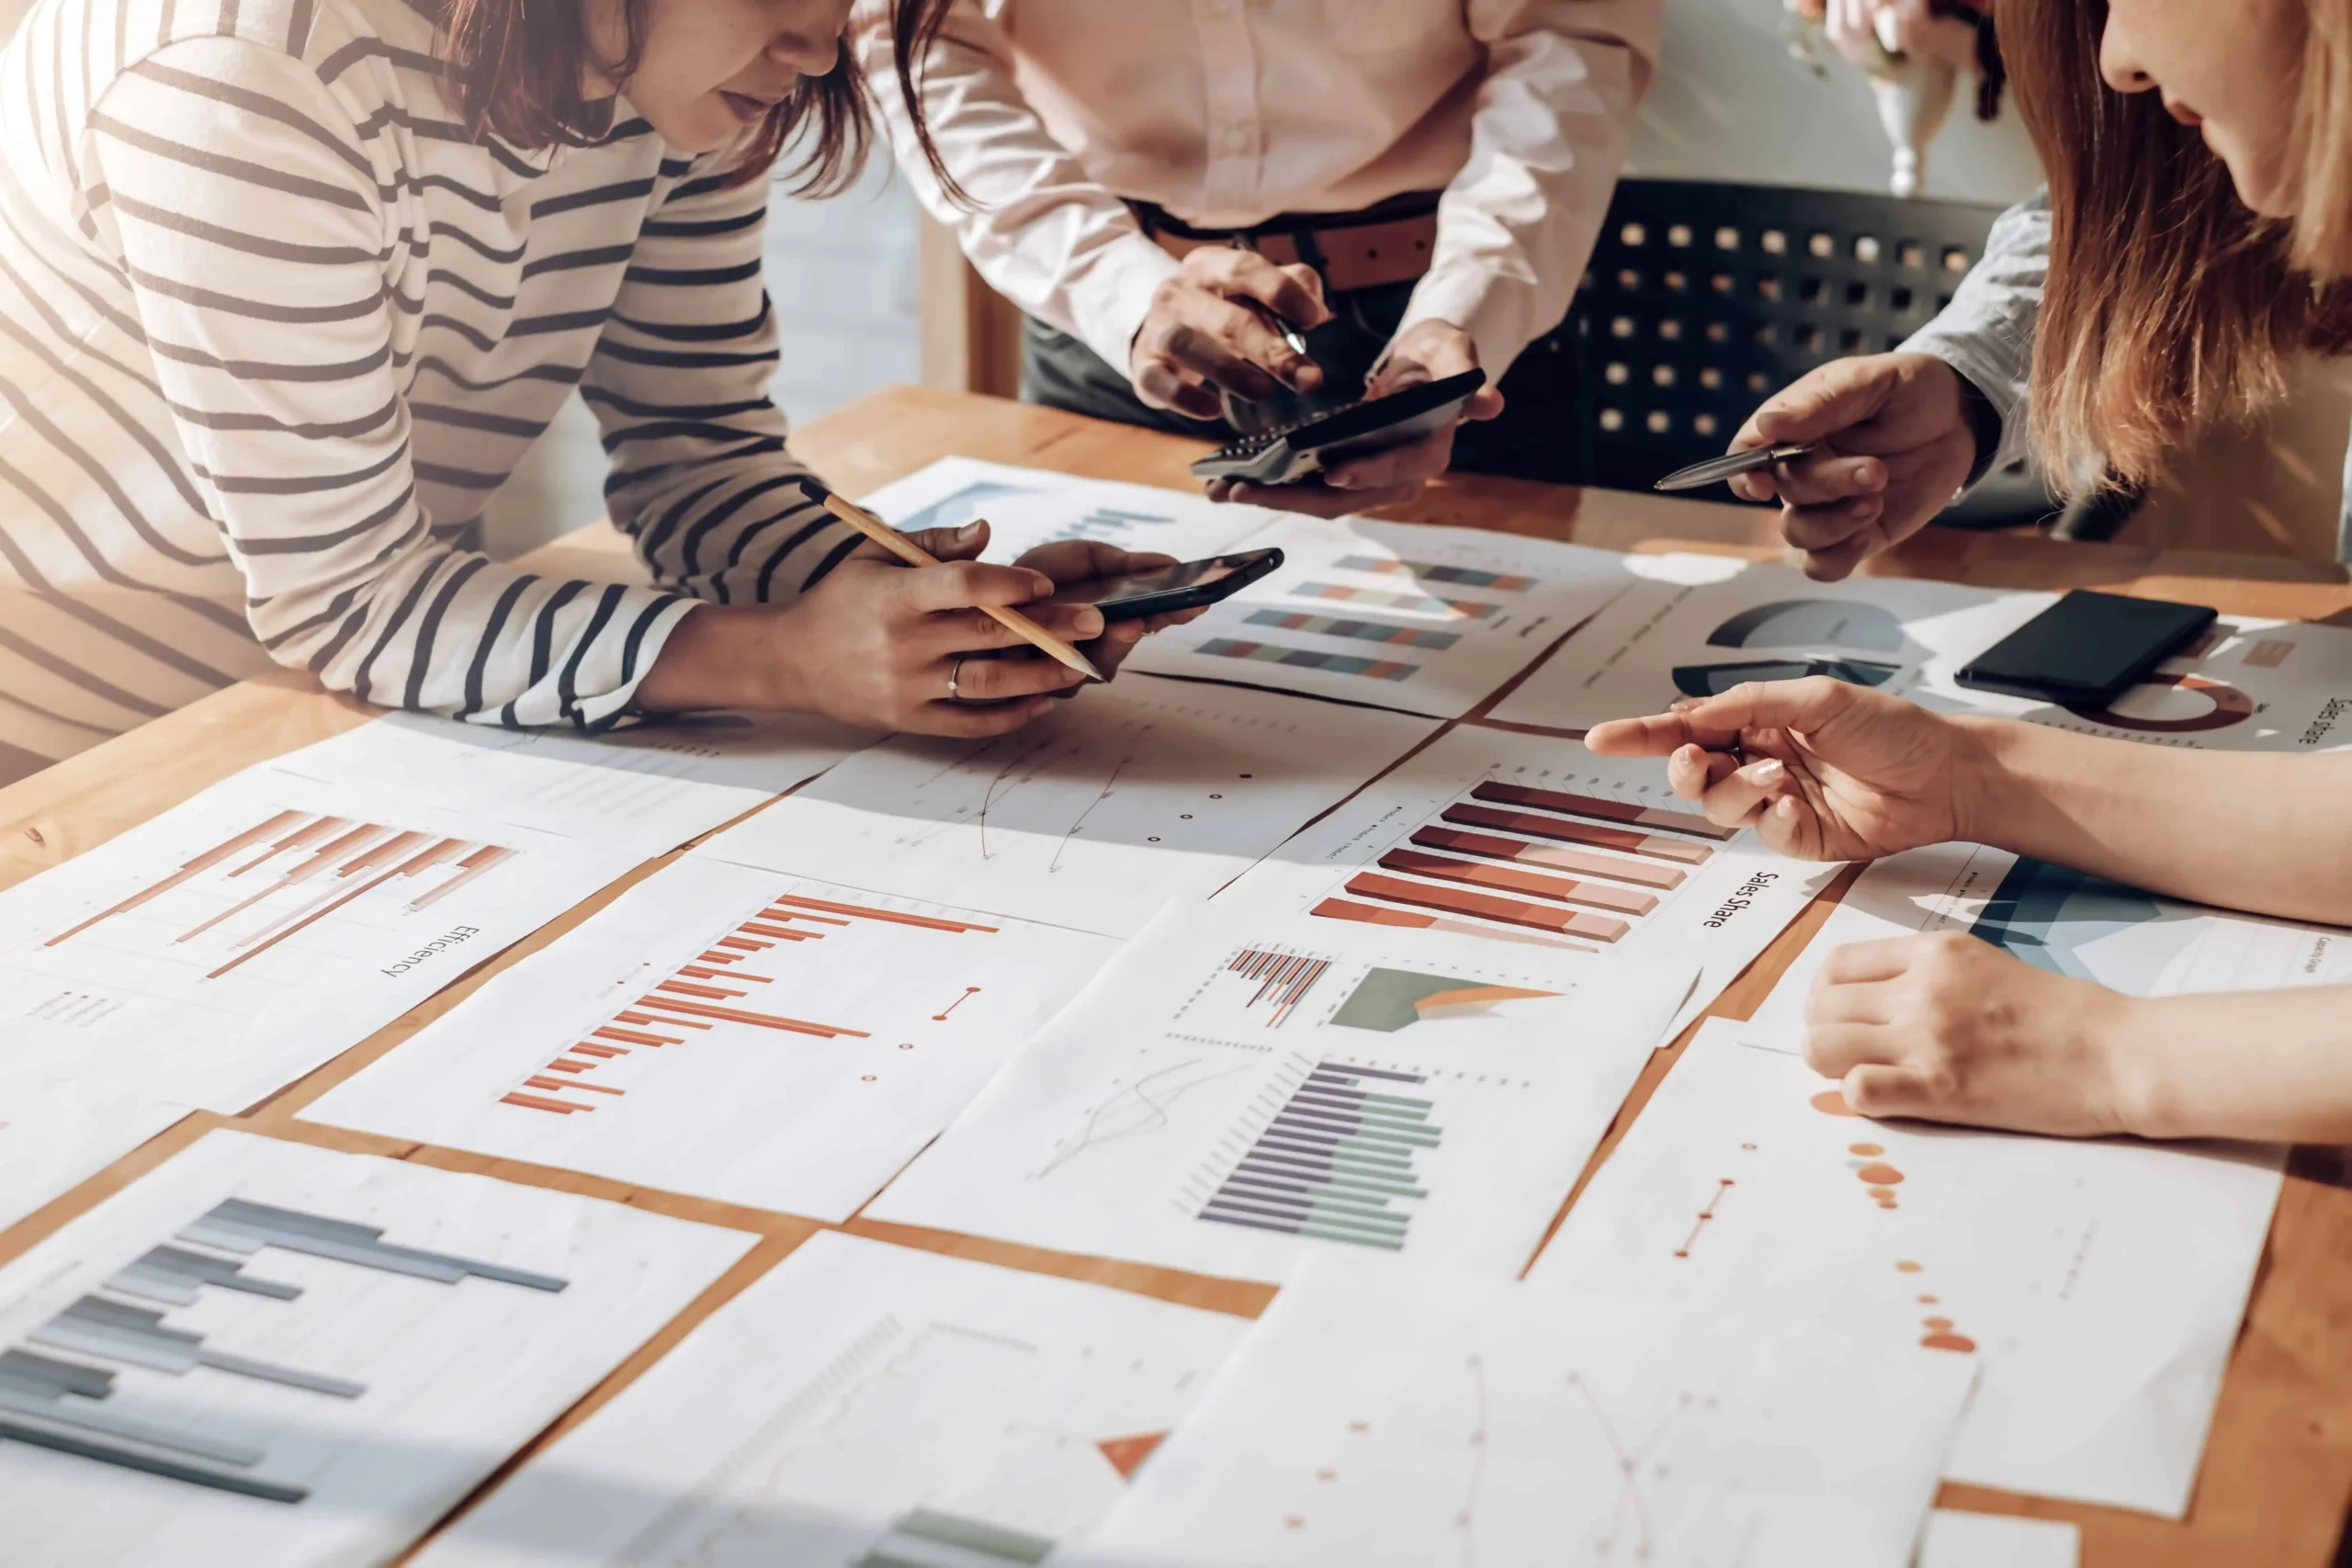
(1091, 817)
(1028, 507)
(1405, 615)
(2100, 1283)
(1532, 841)
(1998, 1541)
(214, 955)
(730, 1033)
(1236, 1092)
(180, 1390)
(863, 1404)
(2068, 923)
(1663, 640)
(657, 784)
(2248, 685)
(56, 1134)
(1407, 1417)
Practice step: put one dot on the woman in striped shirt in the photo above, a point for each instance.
(287, 287)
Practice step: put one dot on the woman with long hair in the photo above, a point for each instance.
(2201, 224)
(287, 288)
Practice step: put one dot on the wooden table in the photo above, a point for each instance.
(2278, 1472)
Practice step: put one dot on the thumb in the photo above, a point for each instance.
(1834, 397)
(955, 544)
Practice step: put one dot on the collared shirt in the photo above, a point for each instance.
(1229, 112)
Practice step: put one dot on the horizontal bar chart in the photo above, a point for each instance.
(61, 1404)
(1566, 830)
(1607, 810)
(1355, 629)
(1412, 603)
(1493, 846)
(1308, 659)
(1488, 907)
(1413, 920)
(1336, 1162)
(296, 869)
(1558, 889)
(1425, 572)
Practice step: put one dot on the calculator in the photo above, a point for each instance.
(1297, 451)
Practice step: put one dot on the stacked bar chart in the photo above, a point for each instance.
(1307, 659)
(1355, 628)
(1408, 603)
(720, 989)
(1337, 1161)
(61, 1404)
(1429, 571)
(1514, 862)
(246, 896)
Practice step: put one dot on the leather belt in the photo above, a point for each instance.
(1360, 249)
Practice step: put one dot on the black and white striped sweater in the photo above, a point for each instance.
(272, 330)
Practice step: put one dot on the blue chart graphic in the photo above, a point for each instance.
(964, 506)
(61, 1405)
(2047, 914)
(1712, 680)
(1337, 1162)
(1812, 623)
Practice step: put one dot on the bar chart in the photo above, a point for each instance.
(736, 1034)
(1489, 864)
(1272, 982)
(264, 1351)
(60, 1405)
(1336, 1161)
(241, 898)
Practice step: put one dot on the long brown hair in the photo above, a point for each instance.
(519, 70)
(2170, 307)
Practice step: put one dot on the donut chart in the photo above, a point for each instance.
(2230, 707)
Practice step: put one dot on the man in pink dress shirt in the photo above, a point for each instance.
(1419, 182)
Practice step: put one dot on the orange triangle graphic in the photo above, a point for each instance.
(1127, 1454)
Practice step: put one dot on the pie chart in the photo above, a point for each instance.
(2211, 705)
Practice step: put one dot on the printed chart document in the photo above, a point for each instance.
(656, 784)
(1119, 800)
(2246, 685)
(731, 1032)
(1527, 841)
(1240, 1090)
(1664, 640)
(271, 1354)
(1404, 615)
(216, 954)
(2068, 922)
(2100, 1283)
(1954, 1540)
(866, 1405)
(1027, 507)
(1408, 1416)
(56, 1134)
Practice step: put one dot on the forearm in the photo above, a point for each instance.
(2267, 833)
(721, 656)
(2273, 1066)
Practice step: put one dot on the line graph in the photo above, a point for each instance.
(1635, 1502)
(1138, 1111)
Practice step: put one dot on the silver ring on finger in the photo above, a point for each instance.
(956, 680)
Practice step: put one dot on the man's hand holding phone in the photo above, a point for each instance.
(1207, 331)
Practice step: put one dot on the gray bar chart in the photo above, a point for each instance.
(1337, 1160)
(50, 1401)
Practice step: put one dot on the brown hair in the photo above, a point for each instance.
(519, 69)
(2170, 307)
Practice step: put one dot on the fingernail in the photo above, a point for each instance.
(1768, 773)
(1090, 623)
(968, 530)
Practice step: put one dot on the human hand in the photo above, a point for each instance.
(1948, 1028)
(1071, 561)
(1866, 31)
(875, 645)
(1430, 350)
(1895, 447)
(1201, 335)
(1821, 770)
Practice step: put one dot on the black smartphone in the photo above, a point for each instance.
(1299, 451)
(2088, 649)
(1165, 590)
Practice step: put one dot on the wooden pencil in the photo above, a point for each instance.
(907, 550)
